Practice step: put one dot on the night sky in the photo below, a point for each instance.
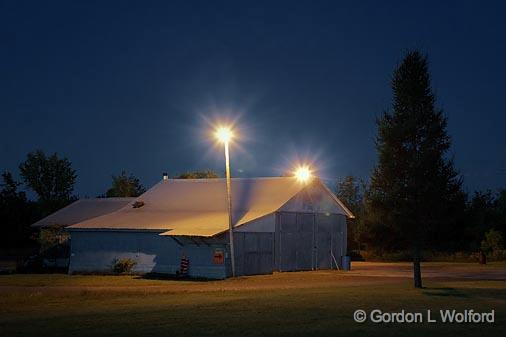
(136, 87)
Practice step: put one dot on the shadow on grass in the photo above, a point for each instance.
(444, 292)
(488, 293)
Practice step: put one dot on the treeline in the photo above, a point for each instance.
(52, 179)
(481, 217)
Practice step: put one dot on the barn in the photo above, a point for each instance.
(78, 211)
(280, 224)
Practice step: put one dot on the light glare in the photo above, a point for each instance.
(303, 174)
(224, 134)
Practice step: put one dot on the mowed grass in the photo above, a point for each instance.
(283, 304)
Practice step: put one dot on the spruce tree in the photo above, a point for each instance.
(414, 188)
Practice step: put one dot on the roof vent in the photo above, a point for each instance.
(165, 176)
(138, 204)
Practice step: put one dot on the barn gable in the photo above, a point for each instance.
(316, 198)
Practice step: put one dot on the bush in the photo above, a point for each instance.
(53, 236)
(493, 242)
(123, 266)
(355, 255)
(498, 255)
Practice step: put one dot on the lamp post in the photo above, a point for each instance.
(224, 135)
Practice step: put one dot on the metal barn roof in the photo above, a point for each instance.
(83, 209)
(198, 207)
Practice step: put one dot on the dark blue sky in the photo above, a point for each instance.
(133, 85)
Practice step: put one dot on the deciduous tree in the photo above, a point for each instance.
(50, 177)
(125, 185)
(204, 174)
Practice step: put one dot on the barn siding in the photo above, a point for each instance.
(301, 241)
(94, 251)
(308, 241)
(254, 253)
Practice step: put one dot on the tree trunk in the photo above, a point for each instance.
(417, 272)
(483, 257)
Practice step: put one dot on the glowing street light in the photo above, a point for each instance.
(303, 174)
(224, 135)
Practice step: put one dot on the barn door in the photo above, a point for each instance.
(305, 225)
(307, 241)
(330, 240)
(287, 241)
(294, 241)
(324, 241)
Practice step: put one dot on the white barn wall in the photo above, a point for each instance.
(94, 251)
(265, 224)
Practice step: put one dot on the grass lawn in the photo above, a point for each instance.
(283, 304)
